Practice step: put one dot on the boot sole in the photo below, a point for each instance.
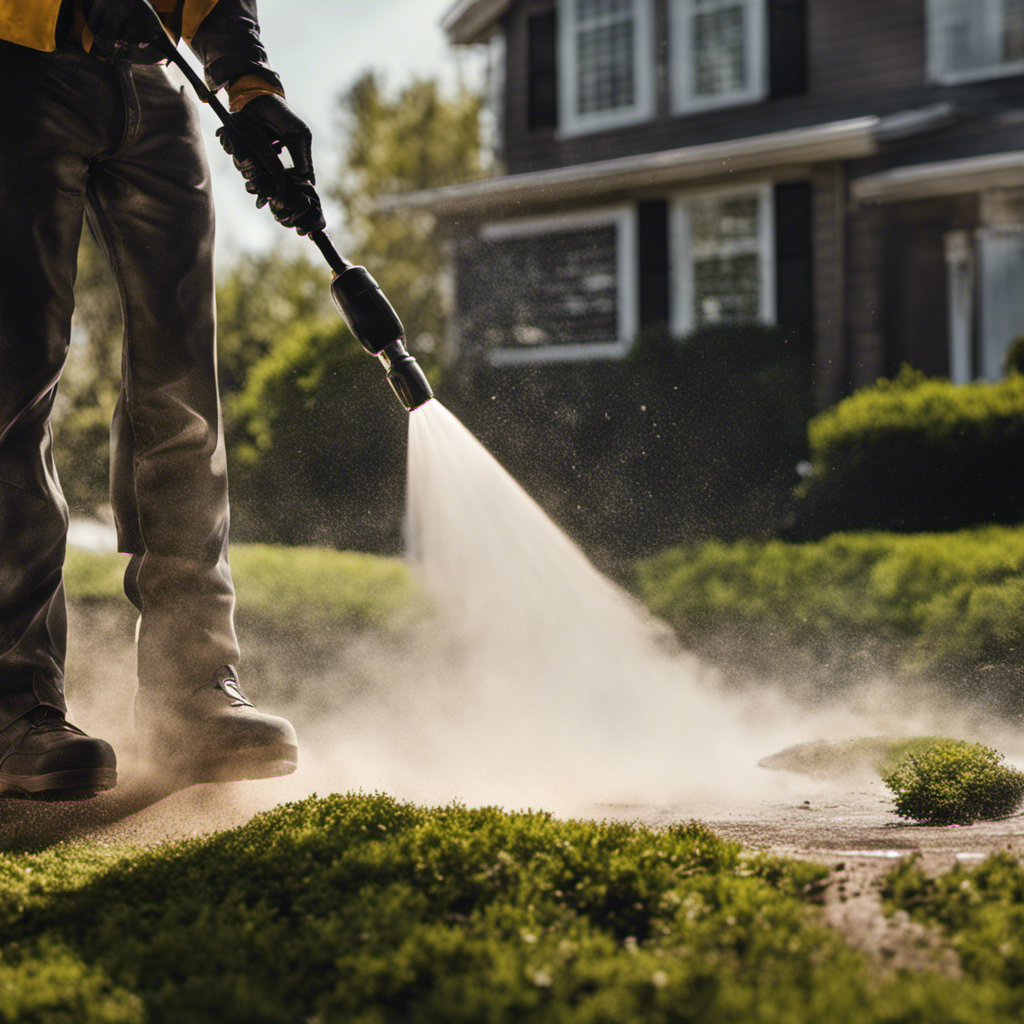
(73, 784)
(242, 765)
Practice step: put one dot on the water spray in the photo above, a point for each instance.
(357, 296)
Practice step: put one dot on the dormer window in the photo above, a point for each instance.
(718, 53)
(607, 58)
(972, 39)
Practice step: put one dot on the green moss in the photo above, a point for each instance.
(954, 782)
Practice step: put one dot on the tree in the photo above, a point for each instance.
(416, 139)
(261, 298)
(90, 384)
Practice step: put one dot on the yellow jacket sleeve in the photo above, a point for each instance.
(31, 23)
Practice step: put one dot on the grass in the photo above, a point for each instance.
(306, 585)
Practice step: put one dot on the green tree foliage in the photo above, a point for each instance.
(318, 446)
(262, 297)
(417, 138)
(90, 385)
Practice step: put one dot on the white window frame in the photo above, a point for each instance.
(936, 12)
(570, 122)
(624, 219)
(683, 98)
(681, 312)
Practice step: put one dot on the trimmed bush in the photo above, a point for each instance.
(949, 605)
(914, 454)
(953, 782)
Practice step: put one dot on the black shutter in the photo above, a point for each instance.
(542, 68)
(794, 303)
(787, 46)
(652, 221)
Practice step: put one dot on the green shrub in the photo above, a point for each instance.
(1013, 364)
(954, 782)
(949, 605)
(686, 438)
(980, 909)
(914, 454)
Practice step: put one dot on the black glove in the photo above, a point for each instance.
(296, 204)
(123, 21)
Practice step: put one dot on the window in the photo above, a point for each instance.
(551, 289)
(970, 39)
(606, 50)
(718, 53)
(723, 259)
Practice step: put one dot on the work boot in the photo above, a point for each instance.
(44, 756)
(214, 734)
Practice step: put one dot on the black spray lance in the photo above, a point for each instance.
(357, 296)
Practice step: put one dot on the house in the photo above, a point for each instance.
(852, 168)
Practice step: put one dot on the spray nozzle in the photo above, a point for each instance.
(374, 322)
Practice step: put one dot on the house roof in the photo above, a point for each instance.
(839, 140)
(941, 178)
(470, 21)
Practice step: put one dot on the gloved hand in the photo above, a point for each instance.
(125, 21)
(297, 205)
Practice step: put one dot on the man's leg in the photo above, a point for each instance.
(151, 207)
(44, 148)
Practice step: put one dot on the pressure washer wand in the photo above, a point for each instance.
(357, 296)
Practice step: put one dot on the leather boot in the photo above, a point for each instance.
(214, 734)
(42, 755)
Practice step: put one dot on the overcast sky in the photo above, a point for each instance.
(319, 47)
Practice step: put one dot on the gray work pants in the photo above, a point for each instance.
(120, 144)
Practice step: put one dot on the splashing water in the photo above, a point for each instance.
(559, 683)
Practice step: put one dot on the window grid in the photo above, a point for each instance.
(605, 41)
(719, 50)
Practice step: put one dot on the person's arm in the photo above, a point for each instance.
(227, 42)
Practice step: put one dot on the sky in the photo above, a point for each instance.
(319, 47)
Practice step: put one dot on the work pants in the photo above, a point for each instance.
(120, 144)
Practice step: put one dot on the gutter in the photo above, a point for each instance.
(943, 178)
(839, 140)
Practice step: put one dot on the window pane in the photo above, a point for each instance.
(719, 51)
(605, 67)
(726, 288)
(1013, 30)
(554, 288)
(714, 222)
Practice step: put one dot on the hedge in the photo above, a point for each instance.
(915, 454)
(686, 438)
(949, 605)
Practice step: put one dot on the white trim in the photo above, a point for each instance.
(681, 304)
(838, 140)
(683, 100)
(624, 218)
(570, 121)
